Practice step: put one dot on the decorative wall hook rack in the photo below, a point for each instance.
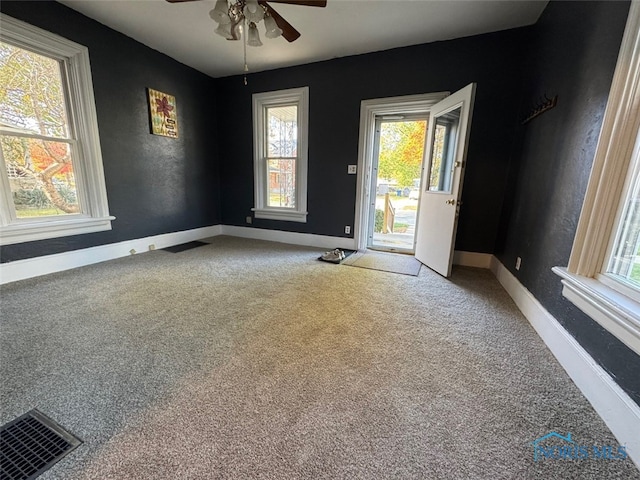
(541, 106)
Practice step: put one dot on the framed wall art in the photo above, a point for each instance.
(162, 113)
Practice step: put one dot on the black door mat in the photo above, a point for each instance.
(346, 254)
(32, 444)
(184, 246)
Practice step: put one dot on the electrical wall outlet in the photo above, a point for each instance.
(347, 229)
(249, 219)
(352, 169)
(518, 262)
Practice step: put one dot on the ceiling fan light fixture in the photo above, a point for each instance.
(253, 37)
(224, 30)
(252, 11)
(220, 12)
(272, 29)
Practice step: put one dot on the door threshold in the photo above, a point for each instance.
(401, 251)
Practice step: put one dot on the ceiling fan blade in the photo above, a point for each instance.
(288, 32)
(305, 3)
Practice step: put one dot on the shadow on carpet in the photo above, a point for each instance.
(385, 262)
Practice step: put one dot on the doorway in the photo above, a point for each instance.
(439, 200)
(372, 111)
(399, 144)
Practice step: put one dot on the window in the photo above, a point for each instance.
(50, 162)
(280, 125)
(603, 275)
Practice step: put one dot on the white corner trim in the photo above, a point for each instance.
(472, 259)
(615, 407)
(294, 238)
(33, 267)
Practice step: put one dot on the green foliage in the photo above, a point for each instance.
(402, 151)
(67, 193)
(379, 221)
(34, 198)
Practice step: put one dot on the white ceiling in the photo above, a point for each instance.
(184, 31)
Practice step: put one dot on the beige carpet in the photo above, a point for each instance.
(252, 360)
(385, 262)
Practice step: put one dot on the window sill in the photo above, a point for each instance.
(29, 232)
(280, 214)
(617, 313)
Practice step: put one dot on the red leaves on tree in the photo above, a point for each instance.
(45, 154)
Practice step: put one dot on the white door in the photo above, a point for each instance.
(449, 126)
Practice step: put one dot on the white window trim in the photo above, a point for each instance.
(582, 281)
(95, 216)
(299, 96)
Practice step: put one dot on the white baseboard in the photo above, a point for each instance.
(33, 267)
(619, 412)
(472, 259)
(294, 238)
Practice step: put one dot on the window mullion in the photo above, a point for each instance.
(7, 212)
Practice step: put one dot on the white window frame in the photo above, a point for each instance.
(87, 159)
(261, 101)
(584, 280)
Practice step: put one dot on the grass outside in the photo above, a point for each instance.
(277, 200)
(635, 273)
(38, 212)
(400, 227)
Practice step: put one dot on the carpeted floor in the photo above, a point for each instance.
(247, 359)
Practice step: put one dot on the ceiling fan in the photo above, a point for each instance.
(230, 15)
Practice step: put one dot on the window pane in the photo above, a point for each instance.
(41, 176)
(282, 183)
(625, 258)
(282, 131)
(443, 153)
(31, 93)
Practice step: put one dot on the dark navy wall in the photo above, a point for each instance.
(336, 89)
(155, 184)
(572, 53)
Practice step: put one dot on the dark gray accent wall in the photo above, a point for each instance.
(155, 184)
(524, 186)
(336, 89)
(572, 53)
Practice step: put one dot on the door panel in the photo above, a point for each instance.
(443, 177)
